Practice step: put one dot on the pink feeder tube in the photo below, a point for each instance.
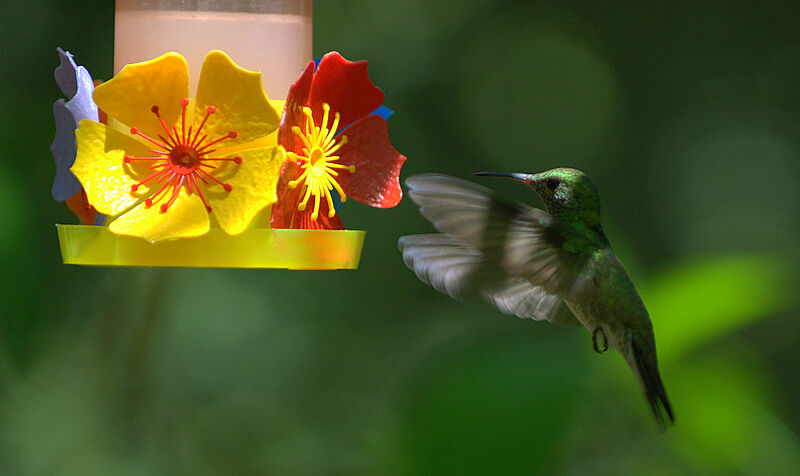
(274, 37)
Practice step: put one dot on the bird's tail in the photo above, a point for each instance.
(645, 366)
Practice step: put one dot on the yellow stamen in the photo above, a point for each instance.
(319, 165)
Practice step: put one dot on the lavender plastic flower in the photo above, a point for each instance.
(76, 84)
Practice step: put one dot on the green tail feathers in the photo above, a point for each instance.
(653, 388)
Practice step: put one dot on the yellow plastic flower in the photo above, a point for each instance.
(165, 164)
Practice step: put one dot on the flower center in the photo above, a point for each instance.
(181, 161)
(319, 164)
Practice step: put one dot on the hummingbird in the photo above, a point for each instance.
(554, 264)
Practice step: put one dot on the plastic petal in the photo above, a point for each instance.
(302, 219)
(65, 73)
(344, 85)
(376, 181)
(65, 185)
(76, 83)
(82, 105)
(240, 100)
(293, 110)
(283, 211)
(186, 217)
(130, 95)
(253, 182)
(81, 208)
(99, 167)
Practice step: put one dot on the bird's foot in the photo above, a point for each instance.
(599, 340)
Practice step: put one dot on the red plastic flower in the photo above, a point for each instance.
(359, 162)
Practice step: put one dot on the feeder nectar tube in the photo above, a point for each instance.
(263, 35)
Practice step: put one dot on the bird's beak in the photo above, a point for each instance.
(524, 178)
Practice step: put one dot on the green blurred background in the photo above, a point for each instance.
(687, 119)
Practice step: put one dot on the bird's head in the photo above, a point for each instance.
(565, 192)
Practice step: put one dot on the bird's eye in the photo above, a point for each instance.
(552, 183)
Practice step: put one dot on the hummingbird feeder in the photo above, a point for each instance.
(184, 157)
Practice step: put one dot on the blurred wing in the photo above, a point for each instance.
(458, 270)
(523, 240)
(442, 262)
(520, 298)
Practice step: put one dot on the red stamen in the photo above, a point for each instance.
(229, 135)
(184, 103)
(200, 141)
(209, 111)
(135, 187)
(128, 159)
(202, 198)
(137, 132)
(176, 189)
(168, 141)
(236, 159)
(162, 179)
(201, 178)
(157, 196)
(224, 185)
(154, 110)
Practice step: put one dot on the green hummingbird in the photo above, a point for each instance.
(555, 265)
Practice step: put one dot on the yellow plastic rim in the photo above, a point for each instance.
(255, 248)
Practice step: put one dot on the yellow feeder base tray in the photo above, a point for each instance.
(255, 248)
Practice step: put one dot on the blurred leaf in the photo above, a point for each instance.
(702, 299)
(492, 407)
(58, 419)
(723, 425)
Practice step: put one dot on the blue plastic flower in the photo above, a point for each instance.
(76, 84)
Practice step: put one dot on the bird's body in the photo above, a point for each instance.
(554, 265)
